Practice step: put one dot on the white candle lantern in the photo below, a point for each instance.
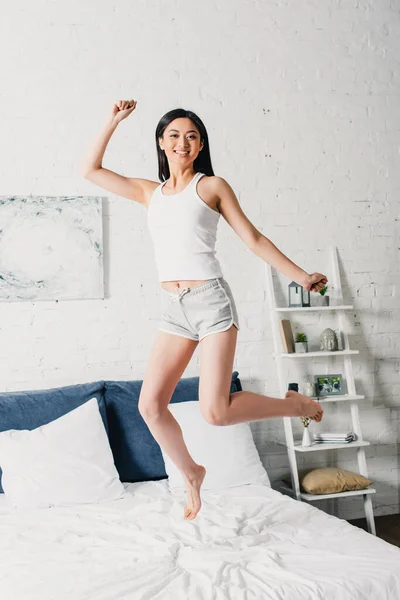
(299, 297)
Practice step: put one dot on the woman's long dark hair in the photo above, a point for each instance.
(203, 160)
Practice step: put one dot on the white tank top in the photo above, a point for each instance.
(184, 232)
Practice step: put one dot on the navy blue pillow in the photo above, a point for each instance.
(31, 409)
(137, 455)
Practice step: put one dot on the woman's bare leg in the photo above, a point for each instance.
(169, 358)
(217, 352)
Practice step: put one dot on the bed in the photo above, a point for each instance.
(248, 542)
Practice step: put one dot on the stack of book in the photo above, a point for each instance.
(335, 438)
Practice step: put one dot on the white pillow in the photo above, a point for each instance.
(227, 452)
(67, 461)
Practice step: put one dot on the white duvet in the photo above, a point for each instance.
(247, 543)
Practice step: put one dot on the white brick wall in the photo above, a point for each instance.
(301, 105)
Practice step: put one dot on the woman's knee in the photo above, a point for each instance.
(214, 414)
(152, 408)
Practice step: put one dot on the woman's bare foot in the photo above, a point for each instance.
(193, 485)
(304, 406)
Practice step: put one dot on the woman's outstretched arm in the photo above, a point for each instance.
(230, 209)
(94, 158)
(92, 168)
(266, 250)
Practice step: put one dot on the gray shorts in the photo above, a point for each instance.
(197, 312)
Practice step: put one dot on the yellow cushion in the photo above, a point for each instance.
(329, 480)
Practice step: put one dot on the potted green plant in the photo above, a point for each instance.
(322, 299)
(325, 298)
(301, 343)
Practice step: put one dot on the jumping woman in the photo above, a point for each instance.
(197, 303)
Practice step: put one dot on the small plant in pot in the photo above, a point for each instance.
(301, 343)
(322, 299)
(325, 298)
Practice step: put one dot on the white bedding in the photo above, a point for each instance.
(247, 543)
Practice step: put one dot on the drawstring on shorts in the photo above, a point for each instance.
(179, 296)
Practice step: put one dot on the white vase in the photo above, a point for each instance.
(306, 441)
(308, 388)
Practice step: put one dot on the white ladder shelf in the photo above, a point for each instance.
(352, 397)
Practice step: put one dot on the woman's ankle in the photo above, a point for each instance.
(192, 473)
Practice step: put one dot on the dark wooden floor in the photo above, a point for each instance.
(387, 528)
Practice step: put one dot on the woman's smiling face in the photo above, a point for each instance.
(181, 141)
